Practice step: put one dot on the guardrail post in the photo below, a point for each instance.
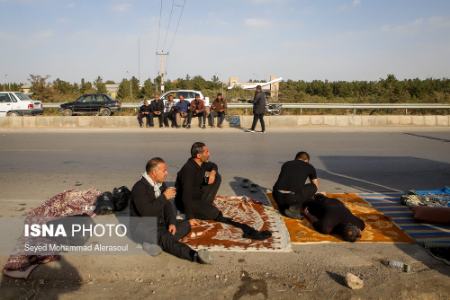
(406, 111)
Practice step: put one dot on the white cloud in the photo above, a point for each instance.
(257, 23)
(121, 7)
(439, 22)
(264, 1)
(62, 20)
(419, 25)
(349, 6)
(44, 34)
(71, 5)
(356, 3)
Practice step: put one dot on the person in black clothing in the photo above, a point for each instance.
(329, 215)
(150, 197)
(259, 108)
(197, 184)
(290, 190)
(158, 111)
(145, 112)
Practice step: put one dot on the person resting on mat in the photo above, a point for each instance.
(331, 216)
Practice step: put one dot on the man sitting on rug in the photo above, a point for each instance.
(290, 190)
(150, 197)
(329, 215)
(197, 184)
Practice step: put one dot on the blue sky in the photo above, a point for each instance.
(295, 39)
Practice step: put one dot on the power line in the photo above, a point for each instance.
(159, 25)
(178, 24)
(168, 24)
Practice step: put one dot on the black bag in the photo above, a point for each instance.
(104, 204)
(121, 197)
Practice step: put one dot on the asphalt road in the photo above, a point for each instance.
(36, 165)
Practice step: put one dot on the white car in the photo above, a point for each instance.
(19, 104)
(189, 95)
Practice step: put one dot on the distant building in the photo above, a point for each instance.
(271, 87)
(26, 88)
(112, 89)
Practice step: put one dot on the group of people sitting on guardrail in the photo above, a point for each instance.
(180, 114)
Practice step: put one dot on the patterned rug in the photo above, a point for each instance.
(379, 228)
(218, 236)
(430, 235)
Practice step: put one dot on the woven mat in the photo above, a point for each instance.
(379, 228)
(430, 235)
(218, 236)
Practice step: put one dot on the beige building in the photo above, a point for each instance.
(112, 89)
(272, 86)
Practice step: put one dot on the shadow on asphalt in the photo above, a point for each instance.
(383, 173)
(256, 192)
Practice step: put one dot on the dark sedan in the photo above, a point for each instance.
(91, 104)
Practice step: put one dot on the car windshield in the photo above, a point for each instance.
(22, 96)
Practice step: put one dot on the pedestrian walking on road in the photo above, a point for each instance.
(259, 108)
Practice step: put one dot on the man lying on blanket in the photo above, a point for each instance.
(197, 184)
(329, 215)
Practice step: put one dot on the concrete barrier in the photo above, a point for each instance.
(244, 121)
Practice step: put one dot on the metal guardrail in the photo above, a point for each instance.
(355, 106)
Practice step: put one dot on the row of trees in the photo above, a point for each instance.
(389, 89)
(384, 90)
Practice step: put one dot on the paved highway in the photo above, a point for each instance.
(35, 165)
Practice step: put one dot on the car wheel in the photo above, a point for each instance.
(13, 114)
(104, 112)
(276, 112)
(67, 112)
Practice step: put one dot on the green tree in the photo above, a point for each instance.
(100, 86)
(148, 90)
(39, 87)
(124, 89)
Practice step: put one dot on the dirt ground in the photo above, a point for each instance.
(310, 271)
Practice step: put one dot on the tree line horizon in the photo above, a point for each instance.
(384, 90)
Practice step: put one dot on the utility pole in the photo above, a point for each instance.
(139, 60)
(162, 67)
(131, 88)
(6, 80)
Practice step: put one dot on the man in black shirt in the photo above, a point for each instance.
(329, 215)
(150, 197)
(158, 111)
(145, 111)
(290, 190)
(197, 184)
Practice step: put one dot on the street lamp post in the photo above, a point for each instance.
(131, 89)
(6, 80)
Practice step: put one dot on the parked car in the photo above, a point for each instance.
(189, 95)
(91, 104)
(19, 104)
